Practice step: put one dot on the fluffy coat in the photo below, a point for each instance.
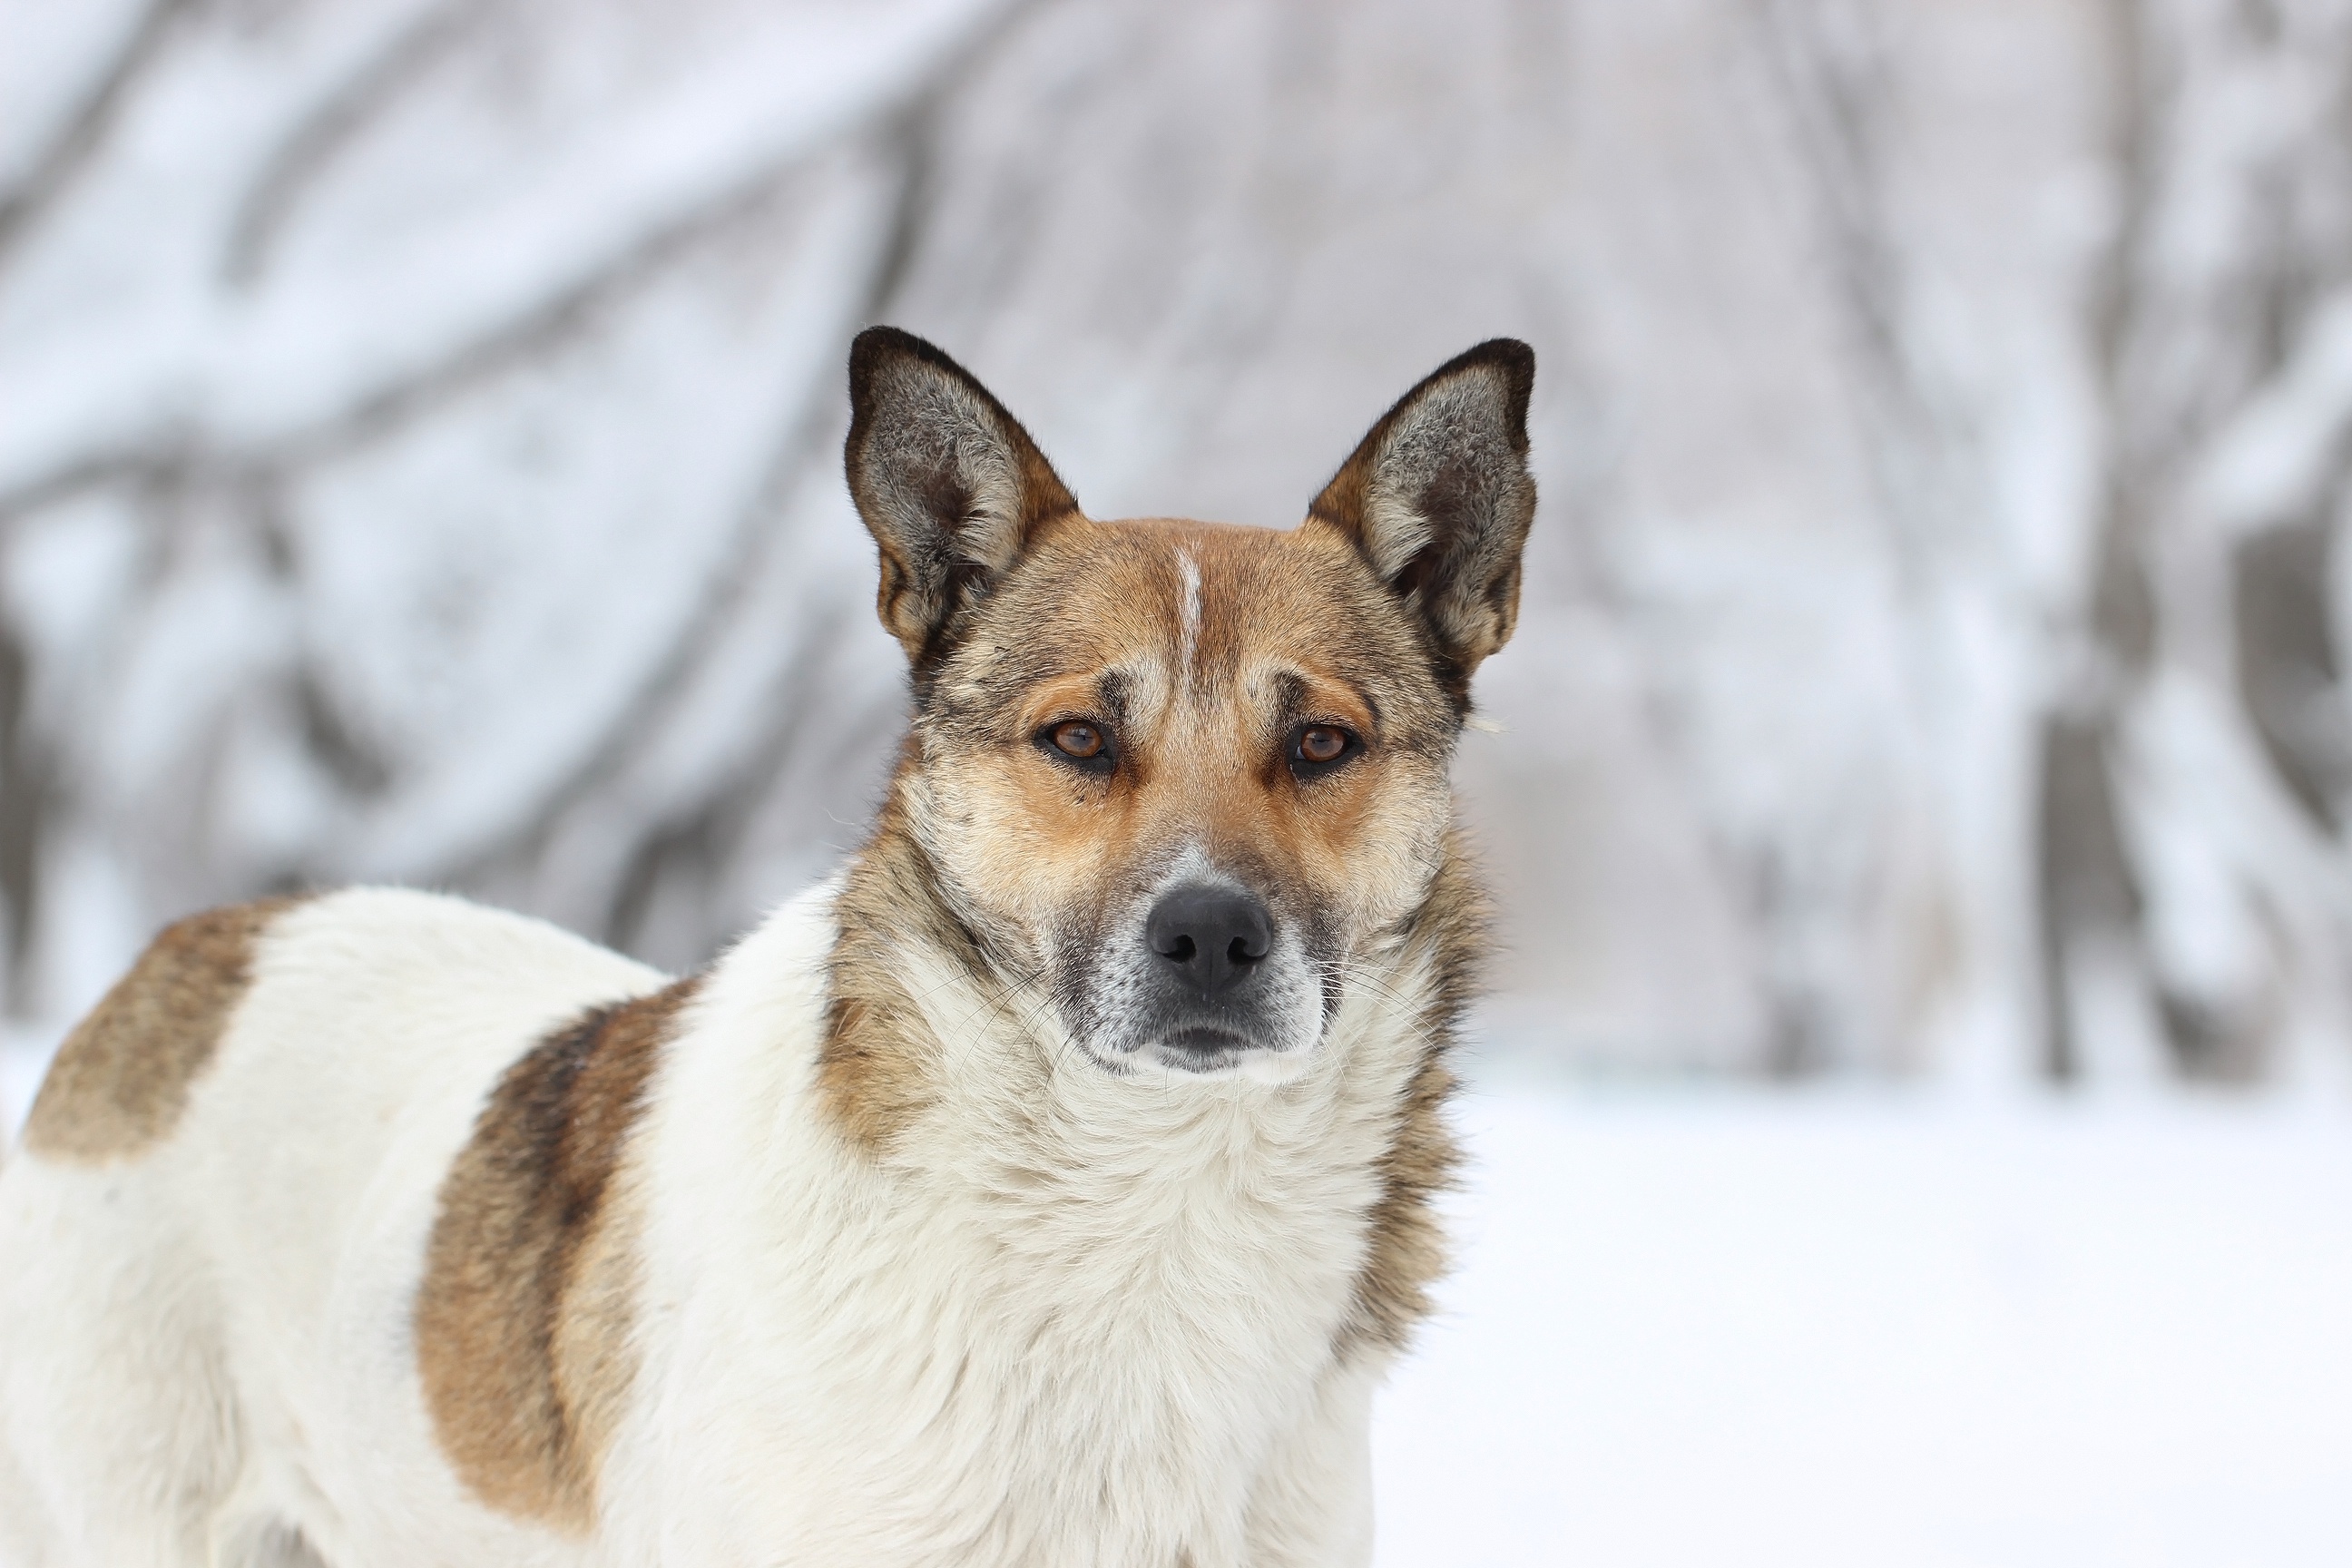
(378, 1228)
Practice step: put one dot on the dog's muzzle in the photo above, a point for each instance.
(1202, 975)
(1208, 982)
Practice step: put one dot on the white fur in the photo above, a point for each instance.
(1072, 1319)
(1188, 632)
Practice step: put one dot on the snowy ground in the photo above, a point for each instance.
(1720, 1328)
(1735, 1329)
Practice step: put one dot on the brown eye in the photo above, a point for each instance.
(1319, 749)
(1079, 743)
(1321, 744)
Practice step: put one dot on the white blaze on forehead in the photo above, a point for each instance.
(1189, 627)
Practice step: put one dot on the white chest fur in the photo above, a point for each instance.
(1069, 1317)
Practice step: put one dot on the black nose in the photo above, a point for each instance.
(1214, 936)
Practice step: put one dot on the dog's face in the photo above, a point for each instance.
(1176, 774)
(1181, 772)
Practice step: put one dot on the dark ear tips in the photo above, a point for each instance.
(877, 347)
(885, 363)
(1511, 360)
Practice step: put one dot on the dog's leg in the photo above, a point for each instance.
(119, 1435)
(1312, 1505)
(27, 1536)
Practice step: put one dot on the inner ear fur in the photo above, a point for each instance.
(1438, 498)
(949, 485)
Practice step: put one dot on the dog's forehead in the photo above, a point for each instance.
(1205, 601)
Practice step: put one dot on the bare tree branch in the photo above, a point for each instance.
(311, 146)
(85, 126)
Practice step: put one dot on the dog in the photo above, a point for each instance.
(1051, 1187)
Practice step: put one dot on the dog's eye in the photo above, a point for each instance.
(1080, 741)
(1317, 749)
(1321, 744)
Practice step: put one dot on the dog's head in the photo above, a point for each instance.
(1175, 774)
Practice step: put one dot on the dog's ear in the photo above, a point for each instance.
(1438, 498)
(948, 484)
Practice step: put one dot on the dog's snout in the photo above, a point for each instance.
(1214, 936)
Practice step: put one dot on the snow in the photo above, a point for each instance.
(1888, 1330)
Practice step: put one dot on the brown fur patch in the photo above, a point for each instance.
(523, 1314)
(875, 1069)
(121, 1079)
(1406, 1254)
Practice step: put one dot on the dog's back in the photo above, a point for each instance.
(217, 1219)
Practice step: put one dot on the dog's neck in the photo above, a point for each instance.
(1002, 1249)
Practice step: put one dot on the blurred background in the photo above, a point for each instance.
(419, 461)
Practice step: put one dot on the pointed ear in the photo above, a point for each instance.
(949, 485)
(1438, 498)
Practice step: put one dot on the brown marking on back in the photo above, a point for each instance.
(121, 1079)
(523, 1316)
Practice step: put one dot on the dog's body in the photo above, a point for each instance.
(1049, 1189)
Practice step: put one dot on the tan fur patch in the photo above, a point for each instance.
(523, 1316)
(121, 1079)
(1405, 1253)
(876, 1068)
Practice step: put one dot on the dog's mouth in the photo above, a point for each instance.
(1202, 1048)
(1199, 1052)
(1205, 1051)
